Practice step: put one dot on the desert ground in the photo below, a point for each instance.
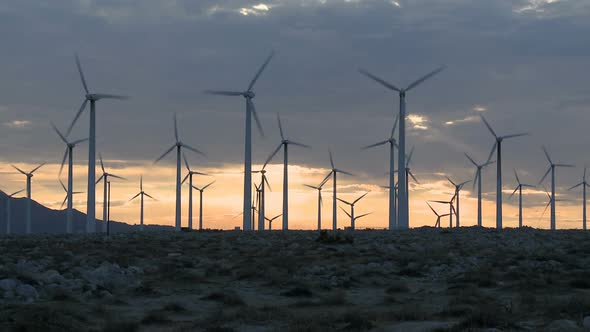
(418, 280)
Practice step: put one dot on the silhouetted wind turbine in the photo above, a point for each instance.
(141, 193)
(262, 197)
(28, 212)
(392, 197)
(178, 145)
(285, 145)
(519, 189)
(67, 194)
(584, 184)
(201, 190)
(551, 201)
(105, 176)
(250, 111)
(320, 201)
(451, 209)
(477, 180)
(8, 216)
(334, 173)
(189, 176)
(403, 210)
(458, 188)
(551, 169)
(353, 219)
(270, 221)
(438, 216)
(351, 204)
(498, 145)
(69, 191)
(93, 98)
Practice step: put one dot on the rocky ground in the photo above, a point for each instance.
(418, 280)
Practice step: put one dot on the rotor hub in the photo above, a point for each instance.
(249, 94)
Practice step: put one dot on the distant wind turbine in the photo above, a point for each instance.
(320, 201)
(334, 173)
(262, 197)
(403, 207)
(141, 195)
(551, 169)
(189, 176)
(498, 148)
(352, 204)
(201, 190)
(69, 153)
(93, 98)
(392, 194)
(458, 188)
(105, 177)
(28, 212)
(353, 219)
(68, 195)
(285, 145)
(477, 180)
(438, 216)
(178, 145)
(551, 201)
(270, 221)
(519, 189)
(584, 184)
(8, 216)
(250, 111)
(451, 209)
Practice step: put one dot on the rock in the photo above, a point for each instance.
(51, 277)
(27, 292)
(586, 322)
(562, 325)
(8, 285)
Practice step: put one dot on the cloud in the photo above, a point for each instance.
(418, 121)
(17, 124)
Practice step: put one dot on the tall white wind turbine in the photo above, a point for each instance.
(8, 216)
(438, 216)
(92, 98)
(68, 196)
(105, 176)
(189, 176)
(178, 145)
(477, 180)
(403, 208)
(141, 195)
(270, 220)
(334, 173)
(519, 189)
(320, 201)
(584, 184)
(551, 169)
(250, 112)
(352, 204)
(262, 197)
(498, 148)
(458, 188)
(353, 218)
(69, 153)
(451, 209)
(28, 212)
(201, 190)
(285, 145)
(392, 193)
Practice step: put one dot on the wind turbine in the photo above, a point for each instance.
(451, 209)
(351, 204)
(201, 190)
(552, 201)
(409, 175)
(8, 199)
(262, 197)
(334, 173)
(392, 199)
(92, 98)
(142, 194)
(584, 184)
(28, 213)
(68, 196)
(178, 145)
(498, 147)
(458, 188)
(69, 153)
(320, 201)
(438, 216)
(189, 176)
(403, 209)
(284, 144)
(270, 221)
(353, 218)
(250, 111)
(551, 169)
(519, 189)
(105, 176)
(477, 180)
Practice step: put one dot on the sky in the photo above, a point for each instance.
(522, 64)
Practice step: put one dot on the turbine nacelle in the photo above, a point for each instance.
(249, 94)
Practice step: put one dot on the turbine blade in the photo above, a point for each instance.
(148, 195)
(300, 144)
(16, 192)
(544, 176)
(63, 186)
(59, 133)
(81, 74)
(413, 177)
(63, 161)
(207, 186)
(101, 163)
(64, 202)
(20, 170)
(175, 128)
(374, 145)
(477, 174)
(348, 214)
(451, 181)
(362, 215)
(193, 149)
(272, 155)
(331, 158)
(471, 160)
(410, 157)
(394, 126)
(255, 115)
(141, 183)
(134, 197)
(576, 186)
(117, 177)
(343, 201)
(186, 177)
(545, 210)
(515, 135)
(379, 80)
(186, 162)
(224, 93)
(492, 150)
(165, 153)
(259, 72)
(358, 199)
(564, 165)
(463, 183)
(515, 190)
(321, 199)
(425, 77)
(82, 107)
(312, 187)
(99, 96)
(325, 180)
(517, 178)
(266, 181)
(280, 126)
(489, 127)
(79, 141)
(430, 206)
(100, 178)
(36, 168)
(343, 172)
